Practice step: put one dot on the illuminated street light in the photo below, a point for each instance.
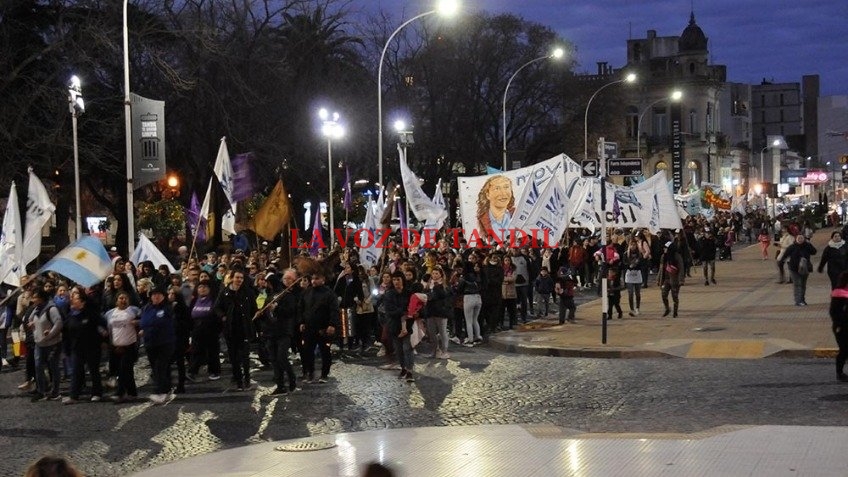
(445, 8)
(76, 106)
(331, 129)
(556, 54)
(675, 95)
(630, 78)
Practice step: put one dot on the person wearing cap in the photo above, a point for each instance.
(671, 275)
(236, 306)
(158, 331)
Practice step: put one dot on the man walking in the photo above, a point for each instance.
(236, 306)
(319, 317)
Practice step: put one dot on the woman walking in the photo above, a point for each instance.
(835, 256)
(633, 276)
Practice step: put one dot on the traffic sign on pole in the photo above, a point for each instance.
(629, 166)
(589, 168)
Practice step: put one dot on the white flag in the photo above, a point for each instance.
(204, 209)
(228, 221)
(439, 201)
(551, 212)
(526, 205)
(421, 206)
(147, 250)
(39, 211)
(224, 171)
(11, 240)
(369, 254)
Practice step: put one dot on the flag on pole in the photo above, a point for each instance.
(492, 170)
(274, 213)
(228, 221)
(348, 201)
(419, 203)
(84, 261)
(552, 212)
(194, 218)
(439, 201)
(11, 242)
(203, 222)
(402, 220)
(316, 240)
(39, 211)
(370, 254)
(243, 185)
(224, 172)
(147, 250)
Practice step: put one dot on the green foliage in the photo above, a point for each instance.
(166, 218)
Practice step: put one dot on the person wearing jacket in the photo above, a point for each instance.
(47, 323)
(792, 256)
(439, 309)
(318, 315)
(236, 306)
(839, 319)
(122, 321)
(157, 329)
(491, 296)
(544, 286)
(707, 251)
(395, 302)
(786, 241)
(206, 331)
(671, 276)
(277, 328)
(87, 329)
(182, 328)
(835, 257)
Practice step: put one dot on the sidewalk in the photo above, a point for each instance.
(746, 315)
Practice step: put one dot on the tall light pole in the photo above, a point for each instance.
(775, 143)
(128, 138)
(556, 54)
(443, 7)
(405, 140)
(331, 129)
(675, 95)
(631, 77)
(76, 106)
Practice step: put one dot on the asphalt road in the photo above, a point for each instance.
(478, 386)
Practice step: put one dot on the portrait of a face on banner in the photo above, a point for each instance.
(493, 202)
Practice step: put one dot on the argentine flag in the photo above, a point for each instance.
(84, 261)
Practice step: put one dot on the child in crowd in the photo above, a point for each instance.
(544, 286)
(564, 288)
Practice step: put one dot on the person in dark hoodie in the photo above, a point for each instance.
(318, 314)
(206, 331)
(835, 257)
(839, 318)
(157, 329)
(87, 329)
(671, 275)
(236, 306)
(182, 327)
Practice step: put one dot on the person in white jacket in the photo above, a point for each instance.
(786, 239)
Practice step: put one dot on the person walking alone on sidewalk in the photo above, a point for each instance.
(839, 318)
(764, 241)
(835, 256)
(670, 276)
(707, 250)
(798, 258)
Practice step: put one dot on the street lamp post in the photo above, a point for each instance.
(331, 129)
(631, 77)
(557, 53)
(444, 7)
(128, 138)
(405, 140)
(76, 106)
(675, 96)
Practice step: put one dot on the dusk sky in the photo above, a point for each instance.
(778, 40)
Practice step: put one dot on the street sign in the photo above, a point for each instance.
(589, 168)
(610, 150)
(630, 166)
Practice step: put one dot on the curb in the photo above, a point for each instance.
(634, 353)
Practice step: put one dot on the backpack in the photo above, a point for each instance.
(803, 266)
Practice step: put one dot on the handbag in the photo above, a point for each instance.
(633, 276)
(671, 269)
(508, 291)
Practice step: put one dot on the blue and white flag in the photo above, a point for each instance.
(369, 253)
(84, 261)
(552, 213)
(11, 242)
(492, 170)
(526, 205)
(146, 250)
(224, 171)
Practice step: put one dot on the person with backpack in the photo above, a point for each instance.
(47, 331)
(798, 259)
